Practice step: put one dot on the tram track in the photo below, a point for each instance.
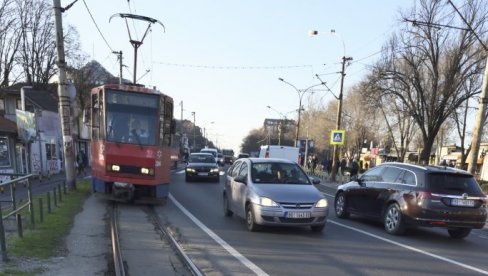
(121, 261)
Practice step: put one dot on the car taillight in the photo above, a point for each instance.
(266, 155)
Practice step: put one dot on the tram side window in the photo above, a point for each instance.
(95, 117)
(168, 120)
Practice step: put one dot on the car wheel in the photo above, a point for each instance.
(340, 206)
(217, 179)
(393, 220)
(227, 211)
(317, 228)
(187, 178)
(459, 233)
(251, 222)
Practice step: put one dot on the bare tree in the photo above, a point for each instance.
(9, 42)
(425, 68)
(359, 119)
(38, 47)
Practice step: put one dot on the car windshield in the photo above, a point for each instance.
(201, 158)
(278, 173)
(455, 184)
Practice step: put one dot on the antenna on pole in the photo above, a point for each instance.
(137, 43)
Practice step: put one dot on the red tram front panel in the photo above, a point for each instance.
(132, 129)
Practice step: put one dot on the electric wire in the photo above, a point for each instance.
(96, 25)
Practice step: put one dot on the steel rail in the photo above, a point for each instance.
(173, 242)
(119, 268)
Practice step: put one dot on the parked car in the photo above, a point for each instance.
(273, 192)
(202, 166)
(404, 195)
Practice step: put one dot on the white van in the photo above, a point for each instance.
(284, 152)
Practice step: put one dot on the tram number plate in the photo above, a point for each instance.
(298, 215)
(462, 202)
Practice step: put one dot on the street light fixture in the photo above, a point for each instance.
(335, 157)
(300, 93)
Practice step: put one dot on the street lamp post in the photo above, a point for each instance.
(335, 155)
(282, 124)
(300, 92)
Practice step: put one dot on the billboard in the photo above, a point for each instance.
(26, 125)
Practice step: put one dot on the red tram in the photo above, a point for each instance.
(131, 130)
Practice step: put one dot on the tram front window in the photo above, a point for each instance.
(131, 118)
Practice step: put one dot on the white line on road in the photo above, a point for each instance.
(219, 240)
(407, 246)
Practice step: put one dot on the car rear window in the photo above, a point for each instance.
(455, 184)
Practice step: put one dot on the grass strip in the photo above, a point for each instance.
(47, 236)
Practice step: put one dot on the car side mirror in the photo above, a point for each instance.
(355, 178)
(241, 179)
(315, 180)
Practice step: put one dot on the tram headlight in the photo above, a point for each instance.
(113, 168)
(147, 171)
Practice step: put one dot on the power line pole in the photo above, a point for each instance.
(335, 155)
(119, 58)
(64, 99)
(194, 133)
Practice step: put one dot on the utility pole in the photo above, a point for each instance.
(119, 58)
(64, 99)
(194, 133)
(335, 155)
(478, 124)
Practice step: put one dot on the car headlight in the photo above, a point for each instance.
(214, 170)
(321, 203)
(190, 170)
(149, 171)
(264, 201)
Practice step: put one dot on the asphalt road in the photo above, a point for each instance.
(222, 246)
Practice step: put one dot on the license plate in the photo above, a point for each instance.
(203, 174)
(462, 202)
(297, 215)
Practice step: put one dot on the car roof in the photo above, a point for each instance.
(270, 160)
(201, 153)
(427, 168)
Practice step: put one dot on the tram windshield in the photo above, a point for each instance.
(131, 117)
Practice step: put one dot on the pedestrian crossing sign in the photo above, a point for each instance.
(337, 137)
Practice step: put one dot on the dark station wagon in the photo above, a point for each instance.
(404, 195)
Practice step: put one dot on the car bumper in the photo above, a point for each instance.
(209, 175)
(279, 216)
(460, 217)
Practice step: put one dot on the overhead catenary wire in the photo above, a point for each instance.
(96, 25)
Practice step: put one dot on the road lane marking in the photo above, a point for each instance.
(180, 172)
(219, 240)
(435, 256)
(412, 248)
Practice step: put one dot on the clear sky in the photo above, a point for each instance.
(223, 58)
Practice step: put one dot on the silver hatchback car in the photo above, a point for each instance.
(273, 192)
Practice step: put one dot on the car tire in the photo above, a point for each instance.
(217, 179)
(459, 233)
(188, 178)
(317, 228)
(340, 206)
(393, 220)
(250, 220)
(227, 211)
